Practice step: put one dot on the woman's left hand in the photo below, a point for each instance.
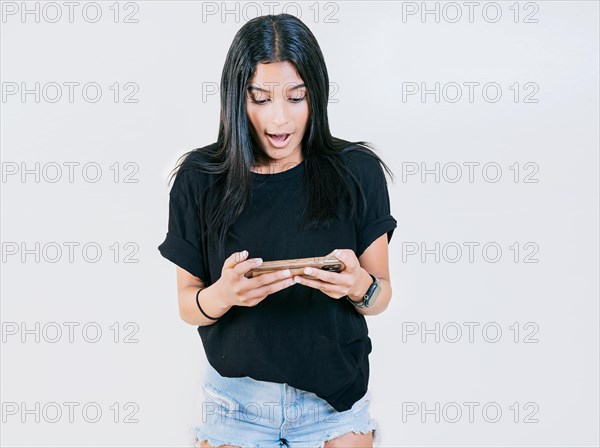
(337, 284)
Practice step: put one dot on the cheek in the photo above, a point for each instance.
(301, 114)
(254, 118)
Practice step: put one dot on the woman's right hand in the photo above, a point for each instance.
(235, 289)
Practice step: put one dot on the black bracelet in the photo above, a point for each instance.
(200, 308)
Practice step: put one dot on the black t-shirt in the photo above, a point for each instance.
(299, 335)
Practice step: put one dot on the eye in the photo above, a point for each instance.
(258, 101)
(297, 100)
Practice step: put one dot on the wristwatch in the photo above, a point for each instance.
(370, 296)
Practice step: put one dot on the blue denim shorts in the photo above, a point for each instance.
(258, 414)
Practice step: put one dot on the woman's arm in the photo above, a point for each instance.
(374, 260)
(209, 298)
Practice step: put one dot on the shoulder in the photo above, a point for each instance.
(361, 161)
(197, 158)
(191, 175)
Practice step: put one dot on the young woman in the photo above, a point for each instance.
(288, 354)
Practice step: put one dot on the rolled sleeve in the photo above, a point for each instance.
(377, 220)
(183, 242)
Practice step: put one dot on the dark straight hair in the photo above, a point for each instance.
(262, 40)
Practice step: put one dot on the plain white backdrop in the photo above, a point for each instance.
(496, 104)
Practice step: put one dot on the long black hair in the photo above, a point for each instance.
(266, 39)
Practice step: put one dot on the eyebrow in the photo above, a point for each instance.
(252, 88)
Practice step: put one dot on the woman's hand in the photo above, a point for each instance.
(235, 289)
(353, 281)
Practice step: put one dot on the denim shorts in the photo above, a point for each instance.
(258, 414)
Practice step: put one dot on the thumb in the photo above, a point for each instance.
(344, 257)
(234, 259)
(338, 253)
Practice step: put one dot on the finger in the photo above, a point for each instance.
(271, 277)
(321, 274)
(335, 253)
(347, 256)
(234, 259)
(243, 267)
(317, 284)
(272, 288)
(332, 291)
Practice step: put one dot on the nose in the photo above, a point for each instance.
(279, 113)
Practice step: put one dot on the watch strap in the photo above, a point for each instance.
(364, 303)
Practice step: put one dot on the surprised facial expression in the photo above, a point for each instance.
(278, 110)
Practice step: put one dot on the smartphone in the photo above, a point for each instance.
(296, 266)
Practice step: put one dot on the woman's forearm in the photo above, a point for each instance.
(382, 300)
(210, 300)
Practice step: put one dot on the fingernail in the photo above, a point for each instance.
(307, 270)
(337, 251)
(287, 273)
(297, 279)
(244, 253)
(258, 260)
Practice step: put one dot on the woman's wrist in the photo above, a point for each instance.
(201, 302)
(361, 287)
(211, 301)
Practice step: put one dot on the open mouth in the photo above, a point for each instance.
(278, 139)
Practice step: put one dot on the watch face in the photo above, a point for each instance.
(375, 294)
(370, 301)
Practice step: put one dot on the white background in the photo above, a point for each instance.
(372, 51)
